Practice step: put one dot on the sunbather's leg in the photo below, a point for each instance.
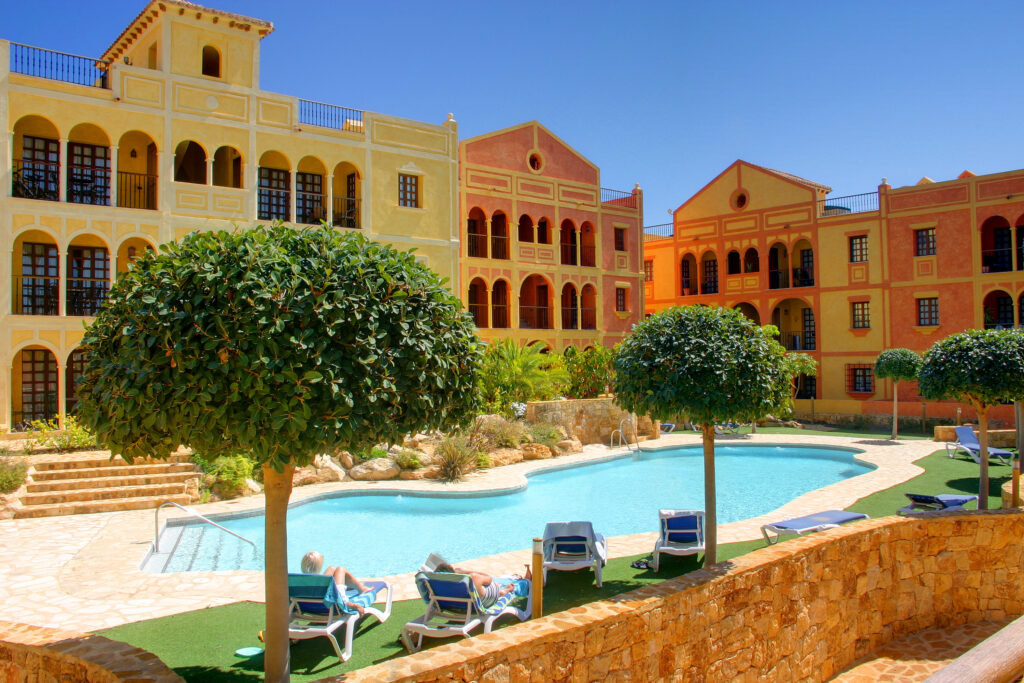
(344, 577)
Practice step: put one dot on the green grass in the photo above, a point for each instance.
(862, 433)
(200, 645)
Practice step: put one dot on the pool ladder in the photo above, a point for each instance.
(621, 434)
(156, 524)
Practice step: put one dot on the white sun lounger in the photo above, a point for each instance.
(574, 545)
(829, 519)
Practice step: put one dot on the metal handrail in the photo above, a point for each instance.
(156, 524)
(622, 437)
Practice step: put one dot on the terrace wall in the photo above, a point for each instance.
(802, 610)
(591, 420)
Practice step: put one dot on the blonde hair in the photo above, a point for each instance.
(312, 562)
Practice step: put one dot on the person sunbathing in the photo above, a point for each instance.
(313, 561)
(486, 587)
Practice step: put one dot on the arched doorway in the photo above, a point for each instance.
(588, 242)
(588, 308)
(709, 267)
(795, 320)
(535, 304)
(477, 299)
(476, 233)
(996, 246)
(998, 310)
(499, 235)
(570, 307)
(499, 305)
(748, 310)
(137, 171)
(688, 275)
(803, 264)
(778, 267)
(567, 243)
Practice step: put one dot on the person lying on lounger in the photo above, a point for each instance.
(313, 561)
(486, 587)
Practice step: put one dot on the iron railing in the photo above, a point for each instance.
(310, 207)
(476, 245)
(997, 260)
(499, 246)
(534, 317)
(274, 204)
(569, 318)
(36, 180)
(588, 318)
(136, 190)
(618, 198)
(709, 286)
(58, 66)
(568, 254)
(330, 116)
(778, 279)
(854, 203)
(88, 185)
(499, 316)
(658, 232)
(36, 295)
(479, 313)
(86, 295)
(588, 256)
(346, 212)
(798, 340)
(803, 277)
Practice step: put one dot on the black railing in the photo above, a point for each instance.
(854, 203)
(569, 318)
(997, 260)
(778, 279)
(36, 296)
(588, 318)
(534, 317)
(798, 340)
(802, 277)
(274, 205)
(476, 245)
(136, 190)
(658, 232)
(588, 256)
(346, 212)
(58, 66)
(618, 198)
(499, 246)
(310, 208)
(499, 313)
(36, 180)
(479, 313)
(709, 286)
(86, 295)
(330, 116)
(568, 254)
(88, 185)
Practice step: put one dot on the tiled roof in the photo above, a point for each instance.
(795, 178)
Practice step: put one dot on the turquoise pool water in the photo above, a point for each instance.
(376, 535)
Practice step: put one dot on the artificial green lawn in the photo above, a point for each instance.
(200, 645)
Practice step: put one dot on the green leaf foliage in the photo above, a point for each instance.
(898, 364)
(589, 371)
(510, 373)
(712, 364)
(278, 342)
(984, 367)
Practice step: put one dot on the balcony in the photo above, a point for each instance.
(626, 200)
(88, 185)
(802, 277)
(842, 206)
(36, 295)
(331, 116)
(499, 246)
(997, 260)
(36, 180)
(136, 190)
(309, 207)
(568, 254)
(58, 66)
(588, 318)
(709, 286)
(499, 313)
(534, 317)
(86, 295)
(346, 212)
(778, 279)
(798, 340)
(476, 245)
(569, 318)
(588, 256)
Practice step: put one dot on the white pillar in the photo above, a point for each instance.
(113, 176)
(62, 164)
(291, 196)
(330, 199)
(209, 171)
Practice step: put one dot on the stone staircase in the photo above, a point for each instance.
(78, 485)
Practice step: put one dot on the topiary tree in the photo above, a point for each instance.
(897, 365)
(281, 343)
(980, 367)
(712, 364)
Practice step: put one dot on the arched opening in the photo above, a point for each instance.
(227, 167)
(34, 387)
(803, 264)
(996, 246)
(1020, 243)
(806, 386)
(310, 197)
(72, 373)
(1020, 311)
(778, 267)
(709, 268)
(36, 160)
(499, 304)
(998, 310)
(211, 61)
(748, 310)
(733, 263)
(36, 268)
(131, 249)
(544, 231)
(525, 228)
(588, 242)
(688, 275)
(535, 304)
(751, 261)
(588, 308)
(88, 165)
(275, 188)
(499, 235)
(137, 171)
(347, 193)
(567, 243)
(476, 233)
(190, 163)
(88, 275)
(478, 302)
(570, 307)
(795, 320)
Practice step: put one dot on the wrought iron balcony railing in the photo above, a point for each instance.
(136, 190)
(36, 295)
(36, 180)
(346, 212)
(854, 203)
(331, 116)
(58, 66)
(618, 198)
(534, 317)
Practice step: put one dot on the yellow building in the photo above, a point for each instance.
(165, 133)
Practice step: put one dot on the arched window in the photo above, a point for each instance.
(751, 261)
(211, 61)
(733, 263)
(189, 163)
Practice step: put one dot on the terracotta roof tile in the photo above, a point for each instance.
(795, 178)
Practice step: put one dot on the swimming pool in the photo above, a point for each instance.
(377, 534)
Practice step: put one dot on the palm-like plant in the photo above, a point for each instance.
(511, 373)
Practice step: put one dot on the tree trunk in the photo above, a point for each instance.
(277, 487)
(895, 413)
(710, 516)
(983, 442)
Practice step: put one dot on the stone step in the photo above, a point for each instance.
(71, 463)
(101, 494)
(109, 482)
(85, 507)
(112, 471)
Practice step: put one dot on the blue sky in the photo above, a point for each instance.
(664, 94)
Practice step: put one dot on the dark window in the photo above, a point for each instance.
(309, 198)
(684, 275)
(858, 249)
(543, 232)
(37, 174)
(88, 174)
(861, 313)
(88, 279)
(809, 341)
(38, 385)
(620, 299)
(860, 379)
(733, 263)
(37, 289)
(924, 242)
(620, 239)
(648, 271)
(211, 61)
(76, 366)
(710, 277)
(408, 190)
(928, 311)
(275, 195)
(806, 386)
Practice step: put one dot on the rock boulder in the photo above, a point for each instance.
(536, 451)
(376, 469)
(431, 472)
(505, 456)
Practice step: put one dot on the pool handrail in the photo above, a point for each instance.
(622, 438)
(156, 524)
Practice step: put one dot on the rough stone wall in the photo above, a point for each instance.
(799, 611)
(1000, 438)
(34, 653)
(591, 420)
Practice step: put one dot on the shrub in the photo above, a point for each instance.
(483, 459)
(546, 433)
(455, 455)
(500, 434)
(48, 434)
(590, 371)
(408, 459)
(510, 373)
(225, 474)
(12, 473)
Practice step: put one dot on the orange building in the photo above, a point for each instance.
(547, 254)
(844, 278)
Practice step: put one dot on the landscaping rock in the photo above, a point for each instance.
(252, 487)
(304, 476)
(432, 472)
(536, 451)
(571, 446)
(505, 456)
(410, 442)
(192, 489)
(376, 469)
(347, 460)
(327, 469)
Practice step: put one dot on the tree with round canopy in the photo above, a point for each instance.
(281, 343)
(980, 367)
(899, 365)
(713, 364)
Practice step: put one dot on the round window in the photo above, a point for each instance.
(536, 162)
(739, 199)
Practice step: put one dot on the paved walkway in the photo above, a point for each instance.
(81, 572)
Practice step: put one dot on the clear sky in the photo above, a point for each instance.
(665, 94)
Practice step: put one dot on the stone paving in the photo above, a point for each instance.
(82, 572)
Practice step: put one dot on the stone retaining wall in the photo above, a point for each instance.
(802, 610)
(591, 420)
(1000, 438)
(34, 653)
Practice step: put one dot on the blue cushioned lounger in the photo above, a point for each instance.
(944, 501)
(967, 440)
(828, 519)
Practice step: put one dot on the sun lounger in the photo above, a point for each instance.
(727, 427)
(944, 501)
(829, 519)
(573, 545)
(967, 440)
(668, 427)
(318, 609)
(681, 532)
(454, 608)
